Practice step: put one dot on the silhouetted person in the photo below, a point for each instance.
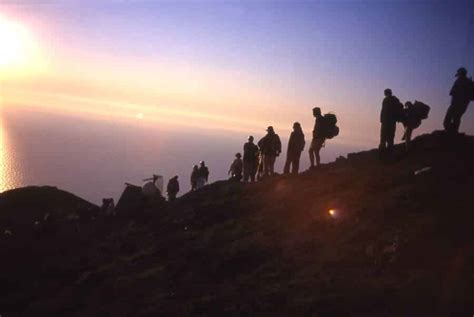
(410, 122)
(203, 175)
(460, 98)
(173, 188)
(390, 114)
(270, 148)
(295, 147)
(194, 177)
(250, 160)
(236, 168)
(318, 138)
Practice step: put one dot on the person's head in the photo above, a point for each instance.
(296, 126)
(317, 112)
(195, 167)
(270, 130)
(462, 72)
(250, 138)
(202, 163)
(238, 155)
(408, 105)
(175, 177)
(387, 92)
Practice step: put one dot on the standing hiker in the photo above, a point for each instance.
(270, 148)
(318, 138)
(235, 170)
(250, 160)
(461, 94)
(391, 113)
(173, 188)
(295, 147)
(194, 177)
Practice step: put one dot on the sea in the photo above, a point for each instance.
(94, 157)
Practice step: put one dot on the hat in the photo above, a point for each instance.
(270, 128)
(461, 72)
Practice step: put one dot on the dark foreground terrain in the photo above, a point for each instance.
(399, 244)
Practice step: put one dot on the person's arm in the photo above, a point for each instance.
(383, 112)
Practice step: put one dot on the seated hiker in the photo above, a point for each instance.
(173, 188)
(202, 176)
(194, 177)
(295, 147)
(235, 170)
(270, 147)
(250, 160)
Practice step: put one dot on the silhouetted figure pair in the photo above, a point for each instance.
(250, 160)
(236, 168)
(199, 176)
(172, 188)
(392, 111)
(270, 148)
(202, 175)
(461, 94)
(295, 147)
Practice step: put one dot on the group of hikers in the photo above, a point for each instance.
(258, 160)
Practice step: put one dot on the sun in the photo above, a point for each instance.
(18, 50)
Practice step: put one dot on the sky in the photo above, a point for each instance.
(234, 66)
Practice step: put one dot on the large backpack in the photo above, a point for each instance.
(398, 111)
(330, 129)
(471, 91)
(421, 110)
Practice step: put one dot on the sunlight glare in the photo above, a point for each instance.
(19, 52)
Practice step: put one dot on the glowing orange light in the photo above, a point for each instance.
(332, 212)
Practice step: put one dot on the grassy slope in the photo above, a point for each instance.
(402, 246)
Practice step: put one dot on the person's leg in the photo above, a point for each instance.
(311, 153)
(271, 164)
(296, 163)
(383, 138)
(317, 151)
(448, 118)
(246, 171)
(408, 132)
(286, 169)
(458, 112)
(391, 136)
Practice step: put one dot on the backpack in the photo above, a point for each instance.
(421, 110)
(471, 91)
(398, 111)
(330, 129)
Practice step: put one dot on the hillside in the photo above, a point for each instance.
(396, 244)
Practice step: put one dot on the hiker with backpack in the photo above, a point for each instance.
(172, 188)
(270, 148)
(413, 114)
(295, 147)
(202, 175)
(392, 111)
(461, 93)
(236, 168)
(324, 128)
(250, 160)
